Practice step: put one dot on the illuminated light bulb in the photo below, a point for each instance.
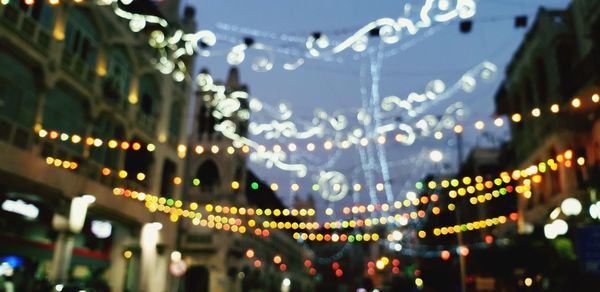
(419, 282)
(329, 211)
(596, 98)
(43, 133)
(199, 149)
(295, 187)
(536, 112)
(555, 108)
(75, 139)
(379, 187)
(422, 234)
(399, 137)
(177, 180)
(445, 255)
(436, 156)
(214, 149)
(97, 142)
(328, 145)
(124, 145)
(438, 135)
(274, 187)
(499, 122)
(569, 154)
(136, 146)
(364, 142)
(576, 102)
(356, 187)
(580, 161)
(292, 147)
(381, 139)
(245, 149)
(140, 176)
(479, 125)
(122, 174)
(235, 185)
(310, 147)
(277, 259)
(458, 129)
(276, 148)
(516, 118)
(54, 2)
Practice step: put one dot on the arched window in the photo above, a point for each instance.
(82, 37)
(208, 174)
(118, 77)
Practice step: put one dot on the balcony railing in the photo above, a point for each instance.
(78, 68)
(15, 134)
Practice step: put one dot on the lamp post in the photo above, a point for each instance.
(67, 228)
(458, 129)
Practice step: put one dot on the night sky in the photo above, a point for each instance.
(445, 55)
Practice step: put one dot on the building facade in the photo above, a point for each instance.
(554, 66)
(551, 95)
(217, 175)
(71, 72)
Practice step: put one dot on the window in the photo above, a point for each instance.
(106, 129)
(118, 77)
(150, 95)
(208, 174)
(64, 111)
(17, 91)
(39, 10)
(81, 36)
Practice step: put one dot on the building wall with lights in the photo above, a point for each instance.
(550, 95)
(77, 69)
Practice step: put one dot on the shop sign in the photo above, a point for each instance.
(20, 207)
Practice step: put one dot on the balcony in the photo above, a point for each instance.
(26, 27)
(113, 97)
(78, 69)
